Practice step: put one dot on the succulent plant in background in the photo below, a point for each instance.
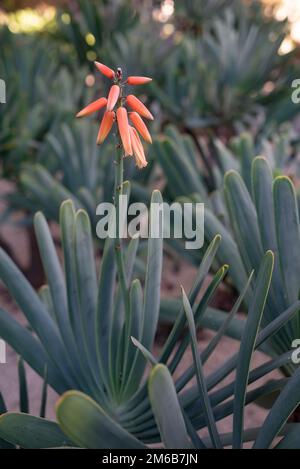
(190, 169)
(229, 61)
(266, 216)
(259, 212)
(122, 32)
(40, 93)
(88, 26)
(128, 49)
(191, 18)
(68, 166)
(280, 146)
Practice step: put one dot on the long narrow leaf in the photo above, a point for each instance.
(32, 432)
(83, 420)
(36, 313)
(212, 428)
(255, 312)
(286, 403)
(23, 389)
(32, 351)
(166, 408)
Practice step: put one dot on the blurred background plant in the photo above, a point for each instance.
(221, 68)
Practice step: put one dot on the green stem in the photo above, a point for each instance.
(120, 261)
(118, 243)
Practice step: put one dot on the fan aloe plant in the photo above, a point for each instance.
(118, 411)
(229, 61)
(267, 218)
(80, 328)
(94, 333)
(73, 170)
(42, 96)
(191, 18)
(179, 154)
(89, 26)
(36, 82)
(259, 212)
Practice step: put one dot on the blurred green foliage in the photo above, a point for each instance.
(217, 73)
(42, 90)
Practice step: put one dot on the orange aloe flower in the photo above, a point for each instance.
(108, 72)
(138, 106)
(123, 126)
(106, 125)
(113, 97)
(93, 107)
(138, 149)
(138, 80)
(140, 126)
(129, 136)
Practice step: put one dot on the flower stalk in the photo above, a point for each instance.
(118, 242)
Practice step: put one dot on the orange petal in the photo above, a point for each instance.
(113, 97)
(108, 72)
(93, 107)
(123, 125)
(140, 126)
(138, 80)
(138, 149)
(106, 125)
(138, 106)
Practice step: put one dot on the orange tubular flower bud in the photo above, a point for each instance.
(138, 80)
(105, 127)
(93, 107)
(138, 106)
(140, 126)
(123, 125)
(113, 97)
(108, 72)
(138, 149)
